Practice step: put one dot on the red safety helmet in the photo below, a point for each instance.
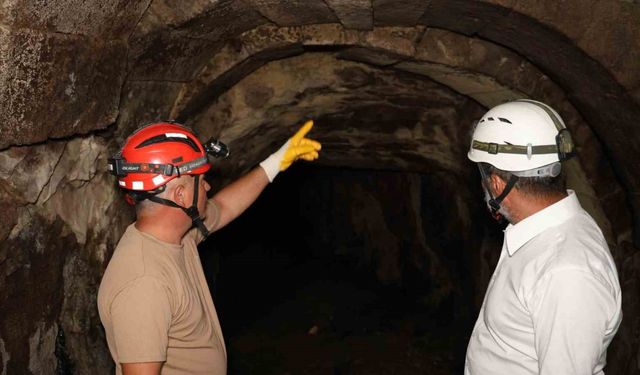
(156, 154)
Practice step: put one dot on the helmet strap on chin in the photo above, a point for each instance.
(494, 203)
(192, 211)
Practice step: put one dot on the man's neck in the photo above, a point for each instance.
(526, 205)
(162, 229)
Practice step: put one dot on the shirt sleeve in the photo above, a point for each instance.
(141, 316)
(570, 312)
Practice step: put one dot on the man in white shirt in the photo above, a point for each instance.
(553, 303)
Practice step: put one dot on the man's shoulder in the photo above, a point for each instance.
(134, 257)
(126, 264)
(579, 239)
(578, 245)
(128, 258)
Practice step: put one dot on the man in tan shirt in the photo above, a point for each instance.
(154, 302)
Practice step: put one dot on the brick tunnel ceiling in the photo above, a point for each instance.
(366, 117)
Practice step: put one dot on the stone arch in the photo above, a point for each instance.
(601, 100)
(486, 72)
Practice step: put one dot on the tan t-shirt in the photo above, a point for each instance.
(155, 305)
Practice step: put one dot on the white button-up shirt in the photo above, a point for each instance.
(553, 303)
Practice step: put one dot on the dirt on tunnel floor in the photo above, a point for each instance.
(282, 316)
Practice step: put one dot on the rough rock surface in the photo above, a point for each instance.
(362, 115)
(60, 222)
(393, 85)
(62, 65)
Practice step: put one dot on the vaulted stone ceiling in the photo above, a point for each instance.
(175, 58)
(392, 85)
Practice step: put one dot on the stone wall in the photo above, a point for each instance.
(77, 76)
(61, 222)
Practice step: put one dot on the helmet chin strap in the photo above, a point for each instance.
(192, 211)
(494, 203)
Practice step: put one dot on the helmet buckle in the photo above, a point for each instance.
(115, 167)
(192, 212)
(168, 170)
(492, 148)
(495, 206)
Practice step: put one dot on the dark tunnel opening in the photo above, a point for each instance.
(337, 270)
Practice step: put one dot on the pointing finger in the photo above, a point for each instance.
(302, 132)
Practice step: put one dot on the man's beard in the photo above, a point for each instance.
(504, 211)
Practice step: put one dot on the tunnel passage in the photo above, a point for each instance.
(352, 271)
(398, 225)
(394, 88)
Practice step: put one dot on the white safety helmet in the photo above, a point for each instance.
(524, 137)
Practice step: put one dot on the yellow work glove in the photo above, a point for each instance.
(297, 147)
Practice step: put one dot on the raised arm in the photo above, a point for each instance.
(235, 198)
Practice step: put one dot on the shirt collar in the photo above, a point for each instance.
(515, 236)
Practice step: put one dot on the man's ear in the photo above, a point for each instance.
(178, 194)
(497, 184)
